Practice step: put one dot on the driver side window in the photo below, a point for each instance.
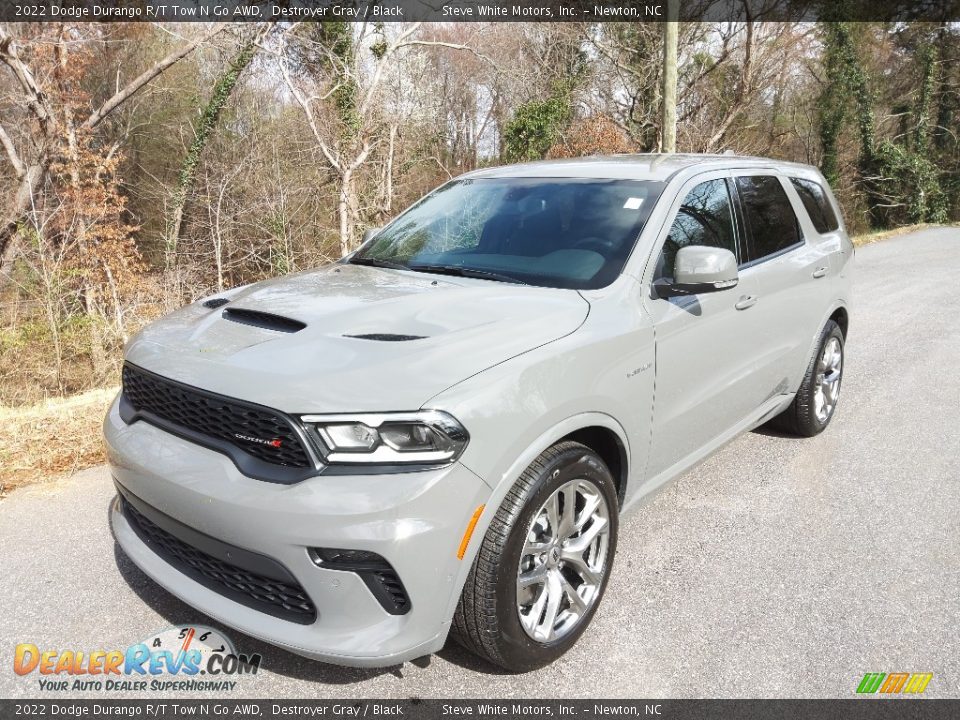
(705, 218)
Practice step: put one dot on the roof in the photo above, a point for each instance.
(648, 166)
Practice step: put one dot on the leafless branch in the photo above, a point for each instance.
(146, 76)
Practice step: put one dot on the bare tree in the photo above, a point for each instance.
(48, 126)
(352, 80)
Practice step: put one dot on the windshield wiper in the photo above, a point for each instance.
(461, 271)
(375, 262)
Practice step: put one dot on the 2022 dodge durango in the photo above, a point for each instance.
(437, 434)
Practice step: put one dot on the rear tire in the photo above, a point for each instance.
(816, 400)
(543, 566)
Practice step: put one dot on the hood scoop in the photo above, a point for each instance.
(267, 321)
(214, 303)
(386, 337)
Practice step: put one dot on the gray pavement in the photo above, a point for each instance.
(779, 568)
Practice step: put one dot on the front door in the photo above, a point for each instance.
(703, 342)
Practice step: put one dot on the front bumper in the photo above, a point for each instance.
(414, 520)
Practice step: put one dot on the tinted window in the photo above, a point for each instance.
(704, 218)
(817, 204)
(769, 216)
(555, 232)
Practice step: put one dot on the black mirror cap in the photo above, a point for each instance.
(665, 288)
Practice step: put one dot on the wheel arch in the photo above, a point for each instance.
(839, 314)
(599, 429)
(842, 318)
(611, 449)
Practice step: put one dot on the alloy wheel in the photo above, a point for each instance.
(563, 561)
(827, 383)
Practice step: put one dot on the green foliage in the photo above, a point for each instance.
(901, 182)
(845, 79)
(907, 187)
(642, 45)
(538, 124)
(921, 138)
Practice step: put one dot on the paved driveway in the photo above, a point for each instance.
(778, 568)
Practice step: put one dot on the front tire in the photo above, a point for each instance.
(816, 400)
(543, 566)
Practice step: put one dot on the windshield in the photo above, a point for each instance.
(553, 232)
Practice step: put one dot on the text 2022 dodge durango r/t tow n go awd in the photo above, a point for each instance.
(438, 433)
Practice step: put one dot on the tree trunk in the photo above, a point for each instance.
(344, 202)
(22, 204)
(388, 172)
(669, 135)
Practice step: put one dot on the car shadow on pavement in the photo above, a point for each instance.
(769, 431)
(455, 654)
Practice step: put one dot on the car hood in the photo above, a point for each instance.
(463, 326)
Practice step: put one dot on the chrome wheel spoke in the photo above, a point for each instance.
(585, 539)
(532, 577)
(592, 503)
(581, 567)
(536, 547)
(554, 593)
(573, 597)
(552, 507)
(531, 620)
(568, 513)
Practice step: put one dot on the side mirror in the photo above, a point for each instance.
(370, 233)
(700, 269)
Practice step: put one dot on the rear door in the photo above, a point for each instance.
(825, 228)
(787, 267)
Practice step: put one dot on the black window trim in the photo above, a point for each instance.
(739, 223)
(749, 233)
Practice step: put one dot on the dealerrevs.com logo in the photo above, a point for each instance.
(187, 658)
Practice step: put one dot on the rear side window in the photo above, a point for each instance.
(704, 218)
(817, 203)
(769, 216)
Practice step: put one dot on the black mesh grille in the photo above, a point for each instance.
(280, 599)
(395, 595)
(257, 431)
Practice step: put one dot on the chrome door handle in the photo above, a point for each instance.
(820, 272)
(747, 301)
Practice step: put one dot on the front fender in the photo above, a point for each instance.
(520, 408)
(502, 484)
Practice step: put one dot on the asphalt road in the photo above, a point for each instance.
(779, 568)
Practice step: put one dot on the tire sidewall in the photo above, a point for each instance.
(518, 649)
(831, 330)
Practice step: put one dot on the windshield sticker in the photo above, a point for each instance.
(633, 203)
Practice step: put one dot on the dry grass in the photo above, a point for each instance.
(56, 437)
(872, 237)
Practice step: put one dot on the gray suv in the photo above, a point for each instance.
(437, 434)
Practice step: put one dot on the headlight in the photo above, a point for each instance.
(430, 437)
